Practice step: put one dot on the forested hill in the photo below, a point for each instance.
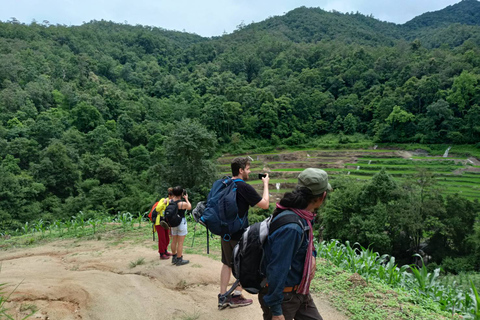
(314, 24)
(88, 114)
(465, 12)
(311, 25)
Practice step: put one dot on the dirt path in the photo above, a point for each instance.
(71, 279)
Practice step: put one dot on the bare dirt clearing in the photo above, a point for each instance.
(93, 279)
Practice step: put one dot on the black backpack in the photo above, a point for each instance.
(248, 253)
(171, 214)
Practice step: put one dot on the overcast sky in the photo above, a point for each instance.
(207, 17)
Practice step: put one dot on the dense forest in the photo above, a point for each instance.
(104, 116)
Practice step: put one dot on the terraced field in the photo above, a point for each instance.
(453, 173)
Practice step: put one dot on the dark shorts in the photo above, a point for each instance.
(227, 252)
(294, 306)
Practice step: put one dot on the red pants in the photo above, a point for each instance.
(163, 239)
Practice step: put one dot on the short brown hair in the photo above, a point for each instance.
(239, 163)
(170, 191)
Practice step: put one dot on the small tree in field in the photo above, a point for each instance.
(189, 150)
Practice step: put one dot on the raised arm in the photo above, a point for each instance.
(265, 202)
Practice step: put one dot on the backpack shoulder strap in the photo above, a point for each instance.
(291, 217)
(278, 222)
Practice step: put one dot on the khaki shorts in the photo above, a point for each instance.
(227, 252)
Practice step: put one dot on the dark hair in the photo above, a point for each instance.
(299, 198)
(170, 191)
(239, 163)
(177, 191)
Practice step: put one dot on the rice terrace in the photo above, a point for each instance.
(454, 173)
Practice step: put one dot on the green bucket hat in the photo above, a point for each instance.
(314, 179)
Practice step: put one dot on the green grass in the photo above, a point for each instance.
(401, 167)
(438, 158)
(137, 262)
(456, 183)
(301, 169)
(372, 300)
(461, 179)
(430, 161)
(471, 173)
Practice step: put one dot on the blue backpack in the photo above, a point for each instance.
(221, 212)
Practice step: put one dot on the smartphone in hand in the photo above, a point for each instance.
(262, 175)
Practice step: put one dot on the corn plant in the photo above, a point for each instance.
(140, 217)
(125, 218)
(50, 228)
(390, 273)
(6, 234)
(74, 225)
(26, 228)
(425, 280)
(94, 223)
(69, 225)
(371, 265)
(58, 225)
(40, 226)
(80, 219)
(368, 262)
(104, 221)
(475, 302)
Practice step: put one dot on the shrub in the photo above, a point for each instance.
(459, 264)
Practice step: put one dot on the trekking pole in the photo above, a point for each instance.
(208, 243)
(194, 229)
(234, 286)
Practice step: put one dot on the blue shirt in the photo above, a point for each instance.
(284, 260)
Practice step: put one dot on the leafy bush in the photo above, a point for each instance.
(458, 264)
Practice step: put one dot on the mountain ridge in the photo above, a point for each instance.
(311, 25)
(464, 12)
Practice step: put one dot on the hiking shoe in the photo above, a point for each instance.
(239, 301)
(164, 225)
(168, 253)
(174, 258)
(163, 256)
(181, 262)
(223, 301)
